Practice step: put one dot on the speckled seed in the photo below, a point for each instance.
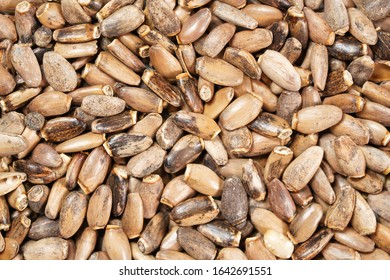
(103, 105)
(59, 72)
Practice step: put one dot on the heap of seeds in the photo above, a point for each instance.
(194, 129)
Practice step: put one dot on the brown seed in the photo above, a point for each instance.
(280, 70)
(73, 12)
(127, 144)
(50, 248)
(164, 19)
(176, 191)
(244, 61)
(340, 213)
(319, 30)
(57, 196)
(376, 160)
(141, 99)
(377, 254)
(72, 213)
(255, 249)
(162, 87)
(312, 247)
(11, 249)
(37, 197)
(7, 81)
(19, 229)
(195, 211)
(335, 251)
(120, 185)
(263, 14)
(353, 128)
(354, 240)
(213, 43)
(252, 40)
(186, 150)
(371, 183)
(126, 56)
(164, 62)
(322, 188)
(230, 119)
(36, 173)
(316, 118)
(148, 125)
(376, 93)
(379, 204)
(361, 69)
(77, 33)
(305, 223)
(218, 71)
(221, 233)
(5, 219)
(188, 88)
(375, 112)
(133, 216)
(253, 181)
(382, 47)
(189, 239)
(233, 15)
(348, 103)
(103, 105)
(194, 27)
(279, 32)
(203, 180)
(363, 219)
(153, 37)
(116, 69)
(281, 201)
(234, 201)
(99, 207)
(59, 72)
(197, 124)
(62, 128)
(297, 25)
(86, 244)
(381, 237)
(271, 125)
(25, 62)
(302, 169)
(168, 133)
(153, 233)
(116, 243)
(219, 102)
(11, 144)
(52, 103)
(118, 23)
(8, 31)
(146, 162)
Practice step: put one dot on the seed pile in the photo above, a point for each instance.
(194, 129)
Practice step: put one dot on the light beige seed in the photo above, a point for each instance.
(218, 71)
(25, 62)
(50, 248)
(232, 118)
(351, 159)
(203, 180)
(116, 243)
(252, 40)
(118, 23)
(99, 207)
(280, 70)
(133, 216)
(265, 220)
(194, 27)
(11, 144)
(52, 103)
(59, 72)
(301, 170)
(349, 237)
(72, 213)
(316, 118)
(256, 250)
(361, 27)
(86, 244)
(363, 219)
(164, 62)
(102, 105)
(278, 244)
(233, 15)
